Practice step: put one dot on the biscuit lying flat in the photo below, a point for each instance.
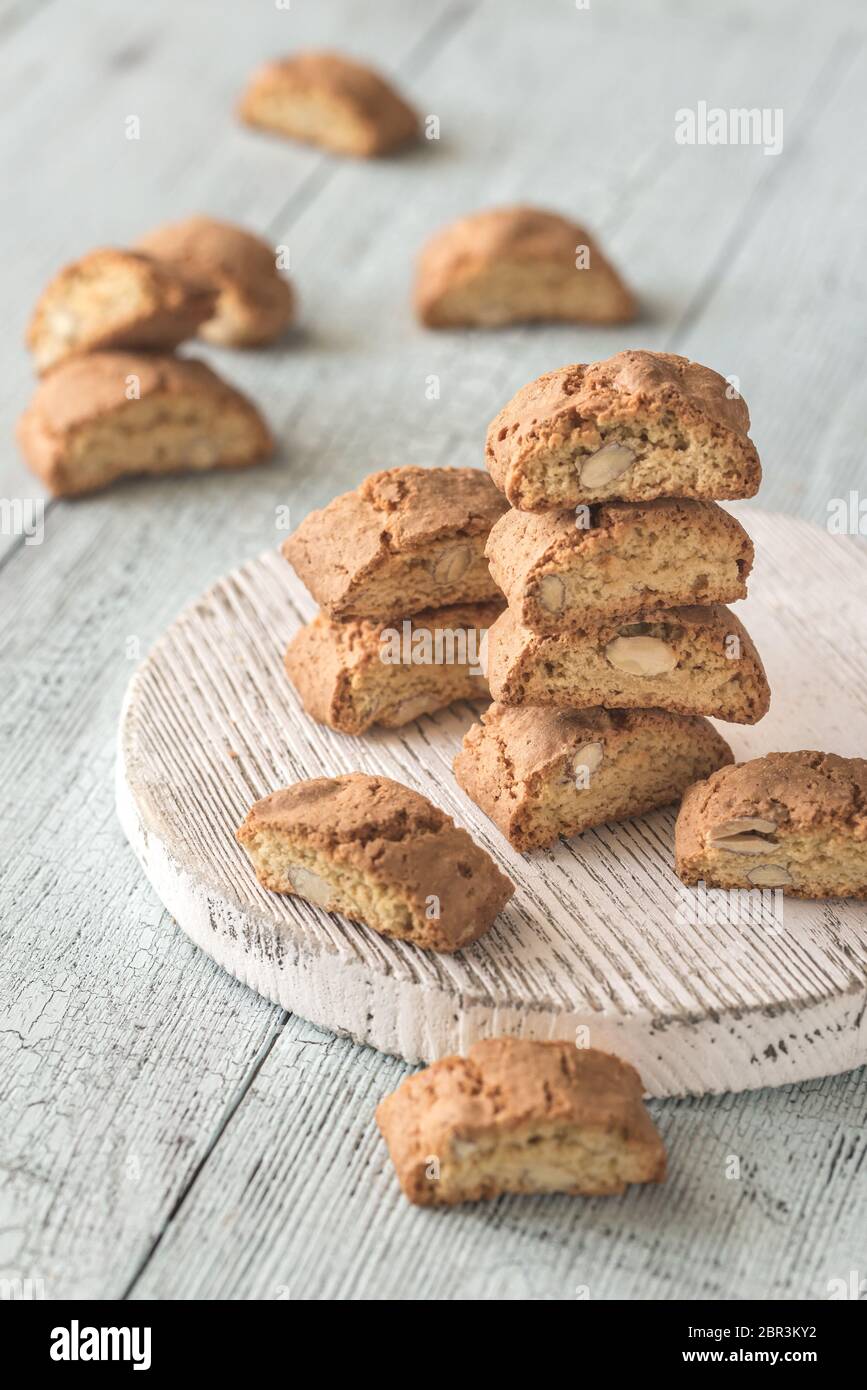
(515, 265)
(406, 539)
(113, 298)
(328, 100)
(795, 821)
(112, 414)
(541, 773)
(254, 303)
(637, 426)
(378, 853)
(631, 558)
(690, 660)
(524, 1117)
(356, 673)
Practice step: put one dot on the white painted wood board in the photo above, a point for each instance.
(599, 934)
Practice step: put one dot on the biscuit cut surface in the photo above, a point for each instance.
(378, 853)
(253, 301)
(637, 426)
(558, 572)
(112, 414)
(691, 660)
(407, 539)
(328, 100)
(514, 265)
(115, 299)
(353, 673)
(793, 821)
(521, 1117)
(542, 773)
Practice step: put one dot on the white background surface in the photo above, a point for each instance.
(164, 1131)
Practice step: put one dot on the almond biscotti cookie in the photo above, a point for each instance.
(523, 1117)
(354, 673)
(516, 265)
(115, 299)
(325, 99)
(637, 426)
(113, 414)
(378, 853)
(542, 773)
(691, 660)
(254, 303)
(405, 540)
(795, 821)
(615, 560)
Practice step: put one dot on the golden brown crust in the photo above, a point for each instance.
(686, 428)
(531, 255)
(328, 100)
(509, 1091)
(354, 673)
(125, 393)
(815, 802)
(113, 298)
(407, 539)
(631, 558)
(254, 303)
(393, 839)
(519, 766)
(717, 670)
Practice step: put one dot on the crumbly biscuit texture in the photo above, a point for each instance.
(407, 539)
(254, 303)
(112, 414)
(637, 426)
(354, 673)
(542, 773)
(617, 559)
(521, 1117)
(793, 821)
(691, 660)
(329, 100)
(378, 853)
(512, 265)
(115, 299)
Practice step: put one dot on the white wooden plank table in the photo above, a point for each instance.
(164, 1132)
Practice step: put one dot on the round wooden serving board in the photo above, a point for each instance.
(597, 936)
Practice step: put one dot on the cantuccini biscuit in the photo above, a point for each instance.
(637, 426)
(378, 853)
(615, 560)
(328, 100)
(405, 540)
(522, 1117)
(692, 660)
(353, 673)
(115, 299)
(794, 821)
(254, 303)
(542, 773)
(513, 265)
(111, 414)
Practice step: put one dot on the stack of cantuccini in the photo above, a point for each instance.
(616, 562)
(398, 569)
